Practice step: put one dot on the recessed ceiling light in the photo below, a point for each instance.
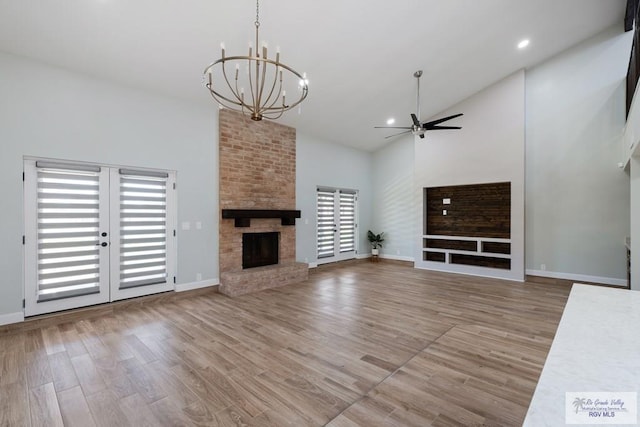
(391, 121)
(524, 43)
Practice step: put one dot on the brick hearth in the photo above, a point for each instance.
(257, 171)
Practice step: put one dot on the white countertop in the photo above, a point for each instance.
(596, 349)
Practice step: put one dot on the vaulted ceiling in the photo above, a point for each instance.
(359, 54)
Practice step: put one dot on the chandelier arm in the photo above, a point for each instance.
(275, 80)
(305, 87)
(254, 98)
(273, 117)
(262, 80)
(224, 73)
(242, 104)
(223, 101)
(253, 95)
(217, 96)
(270, 116)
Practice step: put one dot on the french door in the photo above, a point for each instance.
(95, 234)
(337, 224)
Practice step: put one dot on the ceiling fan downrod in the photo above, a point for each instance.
(417, 75)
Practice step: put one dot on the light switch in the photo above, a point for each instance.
(186, 225)
(444, 212)
(198, 225)
(446, 201)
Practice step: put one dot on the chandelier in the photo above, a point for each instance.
(258, 85)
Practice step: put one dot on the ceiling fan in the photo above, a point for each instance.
(419, 128)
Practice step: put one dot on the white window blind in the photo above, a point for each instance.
(67, 232)
(143, 228)
(347, 221)
(326, 223)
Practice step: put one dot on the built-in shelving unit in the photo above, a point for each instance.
(475, 251)
(468, 225)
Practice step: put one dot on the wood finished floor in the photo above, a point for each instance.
(358, 344)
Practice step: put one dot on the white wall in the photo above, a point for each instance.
(577, 198)
(50, 112)
(635, 223)
(488, 148)
(393, 201)
(319, 163)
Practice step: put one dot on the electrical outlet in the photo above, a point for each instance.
(543, 267)
(199, 277)
(444, 212)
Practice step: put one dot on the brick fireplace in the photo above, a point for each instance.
(257, 182)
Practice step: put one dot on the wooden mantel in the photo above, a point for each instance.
(243, 217)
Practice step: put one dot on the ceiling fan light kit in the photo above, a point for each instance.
(255, 84)
(417, 127)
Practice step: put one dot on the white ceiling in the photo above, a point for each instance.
(359, 55)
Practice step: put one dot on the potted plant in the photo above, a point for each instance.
(376, 241)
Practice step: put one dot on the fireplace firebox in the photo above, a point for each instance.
(260, 249)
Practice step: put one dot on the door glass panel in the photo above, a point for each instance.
(143, 231)
(68, 217)
(326, 224)
(347, 222)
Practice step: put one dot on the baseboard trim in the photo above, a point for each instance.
(578, 277)
(470, 273)
(363, 256)
(313, 265)
(7, 319)
(182, 287)
(398, 257)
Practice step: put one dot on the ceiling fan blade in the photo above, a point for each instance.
(392, 127)
(442, 127)
(397, 134)
(415, 120)
(444, 119)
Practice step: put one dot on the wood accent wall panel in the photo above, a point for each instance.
(496, 248)
(461, 245)
(478, 210)
(481, 261)
(435, 256)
